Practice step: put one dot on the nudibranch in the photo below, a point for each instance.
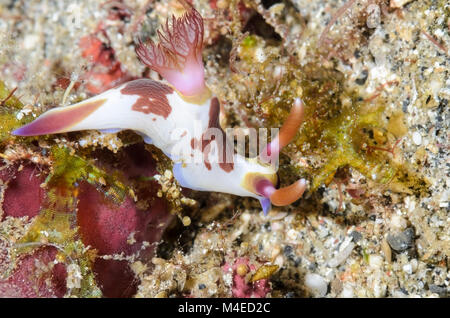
(180, 116)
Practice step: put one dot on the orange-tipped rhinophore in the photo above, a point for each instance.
(287, 131)
(264, 187)
(289, 194)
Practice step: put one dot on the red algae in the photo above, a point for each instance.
(122, 229)
(106, 71)
(36, 275)
(242, 288)
(23, 184)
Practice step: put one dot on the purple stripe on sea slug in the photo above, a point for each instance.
(59, 119)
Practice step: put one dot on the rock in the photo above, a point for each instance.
(398, 3)
(410, 267)
(356, 236)
(407, 268)
(414, 264)
(399, 294)
(379, 288)
(373, 16)
(417, 138)
(342, 255)
(398, 222)
(440, 290)
(316, 284)
(402, 241)
(336, 286)
(347, 292)
(375, 261)
(386, 250)
(361, 80)
(288, 250)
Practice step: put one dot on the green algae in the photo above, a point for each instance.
(8, 112)
(12, 102)
(249, 42)
(68, 169)
(341, 129)
(353, 134)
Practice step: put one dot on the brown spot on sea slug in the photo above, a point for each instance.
(152, 96)
(213, 122)
(214, 113)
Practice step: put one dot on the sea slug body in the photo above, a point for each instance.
(180, 116)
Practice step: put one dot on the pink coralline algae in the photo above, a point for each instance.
(36, 275)
(116, 231)
(23, 195)
(242, 287)
(123, 229)
(111, 230)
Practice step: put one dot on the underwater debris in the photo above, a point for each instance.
(435, 42)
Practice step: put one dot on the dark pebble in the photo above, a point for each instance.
(312, 266)
(362, 79)
(290, 295)
(404, 291)
(441, 291)
(336, 286)
(356, 236)
(291, 258)
(402, 241)
(405, 105)
(288, 250)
